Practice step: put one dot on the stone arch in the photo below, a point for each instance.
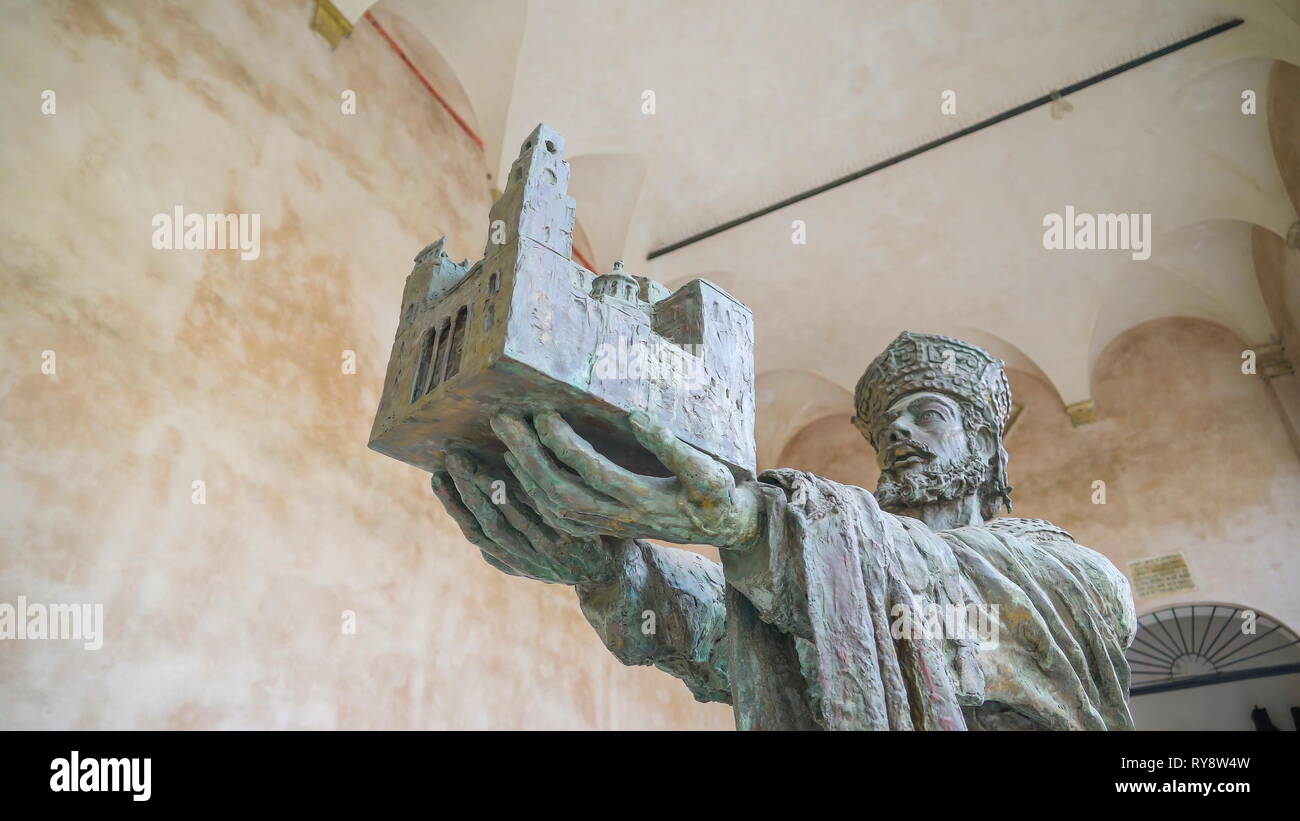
(831, 447)
(1200, 665)
(1207, 271)
(788, 401)
(1192, 457)
(1108, 349)
(405, 27)
(1001, 347)
(481, 79)
(1017, 362)
(1198, 640)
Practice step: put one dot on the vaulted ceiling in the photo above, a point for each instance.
(755, 101)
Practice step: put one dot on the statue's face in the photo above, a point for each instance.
(919, 431)
(924, 453)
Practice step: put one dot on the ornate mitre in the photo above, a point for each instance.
(929, 362)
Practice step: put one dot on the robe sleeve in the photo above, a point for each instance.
(1066, 618)
(666, 607)
(843, 579)
(831, 570)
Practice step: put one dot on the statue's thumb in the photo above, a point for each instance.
(653, 436)
(698, 472)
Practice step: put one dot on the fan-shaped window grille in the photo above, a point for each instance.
(1194, 645)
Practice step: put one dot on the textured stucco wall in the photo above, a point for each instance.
(1195, 457)
(176, 366)
(836, 449)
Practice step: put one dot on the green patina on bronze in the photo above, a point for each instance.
(526, 328)
(798, 627)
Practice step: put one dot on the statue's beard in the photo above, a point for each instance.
(939, 482)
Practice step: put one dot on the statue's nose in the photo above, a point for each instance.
(898, 432)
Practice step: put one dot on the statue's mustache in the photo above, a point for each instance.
(906, 448)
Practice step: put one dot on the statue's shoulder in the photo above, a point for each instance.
(1104, 580)
(1036, 529)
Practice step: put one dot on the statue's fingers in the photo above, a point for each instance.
(522, 442)
(611, 527)
(525, 498)
(566, 558)
(446, 493)
(520, 516)
(518, 552)
(597, 471)
(700, 473)
(543, 504)
(445, 489)
(469, 483)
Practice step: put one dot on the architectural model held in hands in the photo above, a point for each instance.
(526, 329)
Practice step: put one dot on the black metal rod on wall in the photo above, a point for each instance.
(970, 129)
(1213, 678)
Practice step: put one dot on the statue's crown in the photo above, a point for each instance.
(930, 362)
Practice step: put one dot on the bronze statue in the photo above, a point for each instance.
(809, 620)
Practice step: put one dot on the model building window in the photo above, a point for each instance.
(421, 385)
(457, 342)
(440, 361)
(494, 283)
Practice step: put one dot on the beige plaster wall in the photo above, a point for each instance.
(1284, 124)
(833, 448)
(177, 366)
(1195, 457)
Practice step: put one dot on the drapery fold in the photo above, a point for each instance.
(834, 571)
(798, 629)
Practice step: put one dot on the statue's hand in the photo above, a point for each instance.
(700, 504)
(512, 536)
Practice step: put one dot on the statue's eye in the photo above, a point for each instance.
(930, 416)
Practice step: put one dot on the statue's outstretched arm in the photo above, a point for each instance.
(665, 607)
(649, 604)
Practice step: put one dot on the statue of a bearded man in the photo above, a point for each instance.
(799, 626)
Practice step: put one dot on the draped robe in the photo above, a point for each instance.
(794, 629)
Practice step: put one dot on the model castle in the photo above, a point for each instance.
(526, 328)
